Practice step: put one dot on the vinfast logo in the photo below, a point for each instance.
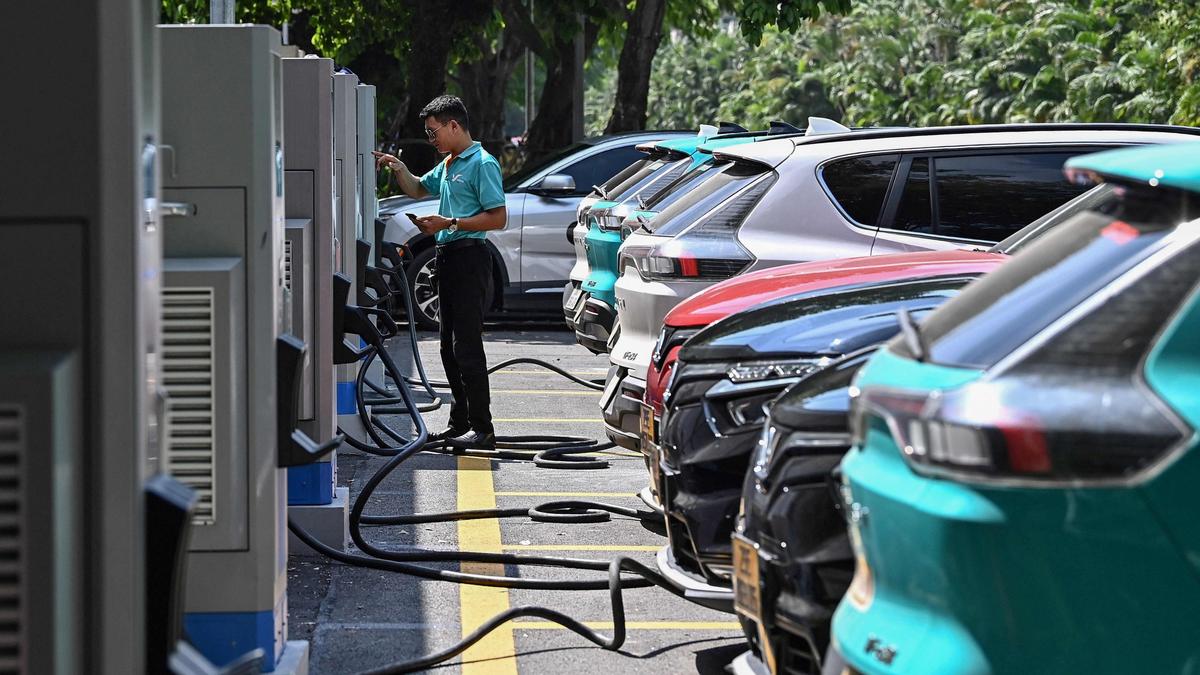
(876, 648)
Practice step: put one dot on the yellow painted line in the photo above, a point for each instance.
(636, 625)
(493, 655)
(578, 547)
(566, 494)
(576, 373)
(546, 392)
(548, 419)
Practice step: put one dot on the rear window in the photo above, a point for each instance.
(705, 197)
(638, 168)
(859, 184)
(645, 168)
(666, 172)
(991, 319)
(673, 192)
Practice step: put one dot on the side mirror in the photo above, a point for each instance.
(556, 185)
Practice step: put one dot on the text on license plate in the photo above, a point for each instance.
(745, 578)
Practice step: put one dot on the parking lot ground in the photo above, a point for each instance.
(359, 619)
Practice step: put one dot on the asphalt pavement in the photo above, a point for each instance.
(359, 619)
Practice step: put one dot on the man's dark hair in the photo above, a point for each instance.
(445, 108)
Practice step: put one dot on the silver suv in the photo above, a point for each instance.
(533, 253)
(836, 196)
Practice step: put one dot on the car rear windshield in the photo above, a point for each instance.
(665, 172)
(698, 201)
(1069, 264)
(631, 173)
(673, 192)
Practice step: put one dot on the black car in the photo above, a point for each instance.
(715, 405)
(793, 556)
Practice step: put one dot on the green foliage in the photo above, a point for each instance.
(929, 62)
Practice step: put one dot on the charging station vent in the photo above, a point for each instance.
(12, 449)
(187, 365)
(287, 264)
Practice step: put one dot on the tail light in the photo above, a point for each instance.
(1075, 408)
(707, 249)
(658, 380)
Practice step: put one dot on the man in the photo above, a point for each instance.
(470, 196)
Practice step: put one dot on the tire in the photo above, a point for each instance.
(424, 295)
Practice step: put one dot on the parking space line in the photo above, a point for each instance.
(547, 392)
(636, 625)
(577, 547)
(549, 420)
(493, 655)
(566, 494)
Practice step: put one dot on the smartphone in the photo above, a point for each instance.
(412, 216)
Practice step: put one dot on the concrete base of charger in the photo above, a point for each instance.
(294, 660)
(327, 522)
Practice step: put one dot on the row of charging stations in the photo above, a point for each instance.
(172, 221)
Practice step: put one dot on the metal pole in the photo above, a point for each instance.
(577, 94)
(221, 11)
(529, 80)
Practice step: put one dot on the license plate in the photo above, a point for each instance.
(745, 579)
(655, 468)
(648, 425)
(574, 298)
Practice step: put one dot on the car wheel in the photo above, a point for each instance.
(421, 273)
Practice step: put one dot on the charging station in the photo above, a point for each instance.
(348, 211)
(368, 196)
(224, 311)
(314, 500)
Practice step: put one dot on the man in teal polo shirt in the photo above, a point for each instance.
(470, 202)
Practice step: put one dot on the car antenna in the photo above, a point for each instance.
(911, 334)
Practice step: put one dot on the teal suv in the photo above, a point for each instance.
(1022, 487)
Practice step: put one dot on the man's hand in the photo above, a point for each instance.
(383, 159)
(432, 224)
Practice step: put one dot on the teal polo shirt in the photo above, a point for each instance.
(469, 185)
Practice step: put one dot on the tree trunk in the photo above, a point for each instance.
(643, 36)
(425, 63)
(484, 86)
(551, 127)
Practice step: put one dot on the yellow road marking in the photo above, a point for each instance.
(566, 494)
(576, 373)
(493, 655)
(548, 419)
(636, 625)
(546, 392)
(577, 547)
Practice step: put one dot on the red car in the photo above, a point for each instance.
(743, 292)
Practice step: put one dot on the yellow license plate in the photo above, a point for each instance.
(746, 599)
(648, 425)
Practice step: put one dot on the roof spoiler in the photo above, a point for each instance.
(823, 125)
(781, 127)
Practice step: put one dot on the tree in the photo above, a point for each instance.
(482, 71)
(645, 28)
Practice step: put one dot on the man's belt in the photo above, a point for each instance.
(456, 244)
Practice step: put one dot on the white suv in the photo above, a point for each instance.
(835, 196)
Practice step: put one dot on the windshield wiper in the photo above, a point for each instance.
(600, 191)
(912, 335)
(641, 202)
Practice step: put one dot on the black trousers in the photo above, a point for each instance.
(464, 277)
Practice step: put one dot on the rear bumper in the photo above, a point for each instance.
(572, 299)
(593, 325)
(694, 588)
(622, 412)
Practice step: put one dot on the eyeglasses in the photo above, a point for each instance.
(432, 133)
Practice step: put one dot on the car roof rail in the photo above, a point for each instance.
(899, 132)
